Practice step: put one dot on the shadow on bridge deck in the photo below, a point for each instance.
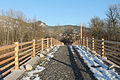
(79, 68)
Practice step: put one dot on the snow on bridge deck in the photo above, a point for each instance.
(71, 63)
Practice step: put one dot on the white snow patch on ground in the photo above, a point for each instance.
(72, 49)
(35, 73)
(50, 55)
(97, 66)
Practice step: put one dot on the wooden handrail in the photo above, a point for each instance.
(23, 51)
(7, 47)
(103, 46)
(24, 43)
(112, 42)
(7, 54)
(113, 47)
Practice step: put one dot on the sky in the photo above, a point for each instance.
(60, 12)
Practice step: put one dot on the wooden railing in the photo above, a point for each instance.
(109, 49)
(13, 56)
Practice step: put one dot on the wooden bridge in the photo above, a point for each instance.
(13, 56)
(65, 65)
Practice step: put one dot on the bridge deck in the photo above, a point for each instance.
(66, 65)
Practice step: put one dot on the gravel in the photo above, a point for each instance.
(66, 65)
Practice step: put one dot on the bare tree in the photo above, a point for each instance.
(112, 21)
(97, 26)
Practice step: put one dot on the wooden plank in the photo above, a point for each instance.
(24, 56)
(87, 42)
(45, 39)
(38, 44)
(33, 47)
(7, 54)
(16, 56)
(38, 41)
(7, 60)
(93, 45)
(113, 60)
(108, 52)
(102, 55)
(47, 42)
(42, 45)
(25, 60)
(113, 56)
(22, 53)
(25, 48)
(7, 47)
(98, 40)
(112, 42)
(6, 66)
(98, 44)
(3, 74)
(112, 47)
(21, 44)
(38, 49)
(112, 51)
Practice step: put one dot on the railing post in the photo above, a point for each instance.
(51, 42)
(62, 43)
(54, 42)
(93, 45)
(87, 42)
(57, 42)
(83, 41)
(42, 44)
(16, 56)
(81, 36)
(102, 55)
(33, 47)
(47, 42)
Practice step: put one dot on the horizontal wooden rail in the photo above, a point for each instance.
(7, 60)
(25, 43)
(7, 47)
(6, 66)
(25, 48)
(16, 54)
(110, 49)
(112, 42)
(7, 54)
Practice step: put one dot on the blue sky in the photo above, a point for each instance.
(60, 12)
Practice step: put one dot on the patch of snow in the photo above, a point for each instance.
(42, 63)
(72, 49)
(97, 66)
(50, 55)
(38, 69)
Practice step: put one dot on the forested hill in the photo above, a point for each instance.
(12, 30)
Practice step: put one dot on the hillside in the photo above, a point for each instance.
(12, 30)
